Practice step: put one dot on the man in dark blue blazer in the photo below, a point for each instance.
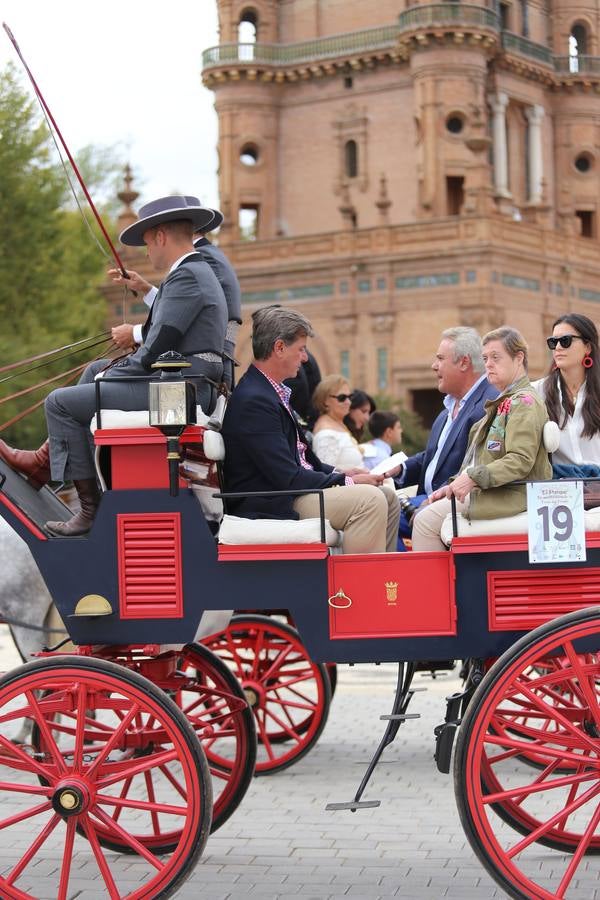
(460, 373)
(265, 448)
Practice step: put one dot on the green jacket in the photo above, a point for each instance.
(506, 445)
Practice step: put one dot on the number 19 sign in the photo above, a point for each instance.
(556, 526)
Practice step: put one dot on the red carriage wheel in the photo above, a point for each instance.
(212, 700)
(557, 806)
(75, 789)
(289, 693)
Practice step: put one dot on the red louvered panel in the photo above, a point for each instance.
(521, 600)
(149, 552)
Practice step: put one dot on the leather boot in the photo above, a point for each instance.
(81, 522)
(35, 464)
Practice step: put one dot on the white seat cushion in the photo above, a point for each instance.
(137, 418)
(507, 525)
(236, 530)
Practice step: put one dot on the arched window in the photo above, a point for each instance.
(248, 27)
(578, 46)
(351, 159)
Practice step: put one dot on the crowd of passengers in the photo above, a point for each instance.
(488, 437)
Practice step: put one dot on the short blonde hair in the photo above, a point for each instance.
(512, 341)
(332, 384)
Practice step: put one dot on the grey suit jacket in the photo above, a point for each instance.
(189, 315)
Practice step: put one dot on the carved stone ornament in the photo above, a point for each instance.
(384, 322)
(344, 325)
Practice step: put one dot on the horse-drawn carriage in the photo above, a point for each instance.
(135, 730)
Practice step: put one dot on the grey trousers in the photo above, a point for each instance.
(69, 411)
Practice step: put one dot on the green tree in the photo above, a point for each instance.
(50, 267)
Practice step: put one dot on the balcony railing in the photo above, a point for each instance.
(514, 43)
(577, 65)
(462, 14)
(305, 52)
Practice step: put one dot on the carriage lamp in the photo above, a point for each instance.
(172, 404)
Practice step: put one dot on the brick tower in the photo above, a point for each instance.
(394, 169)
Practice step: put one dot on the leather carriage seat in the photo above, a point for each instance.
(513, 524)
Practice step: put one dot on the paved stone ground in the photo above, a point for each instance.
(282, 843)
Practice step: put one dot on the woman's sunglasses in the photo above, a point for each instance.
(341, 398)
(565, 341)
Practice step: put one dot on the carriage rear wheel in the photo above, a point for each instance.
(289, 693)
(76, 788)
(557, 805)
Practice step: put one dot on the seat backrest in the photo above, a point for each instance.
(551, 437)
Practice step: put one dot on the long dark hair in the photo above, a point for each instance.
(559, 411)
(359, 398)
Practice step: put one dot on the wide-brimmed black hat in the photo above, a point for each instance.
(216, 222)
(167, 209)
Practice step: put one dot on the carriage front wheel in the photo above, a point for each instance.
(58, 800)
(555, 809)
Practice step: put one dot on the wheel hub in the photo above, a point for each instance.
(254, 694)
(71, 798)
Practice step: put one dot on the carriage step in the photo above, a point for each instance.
(400, 717)
(354, 805)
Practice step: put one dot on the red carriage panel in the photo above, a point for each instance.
(520, 600)
(391, 595)
(150, 574)
(138, 456)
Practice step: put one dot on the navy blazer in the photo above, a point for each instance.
(261, 452)
(455, 447)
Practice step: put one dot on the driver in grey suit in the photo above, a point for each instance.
(189, 315)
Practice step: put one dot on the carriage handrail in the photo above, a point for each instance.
(226, 495)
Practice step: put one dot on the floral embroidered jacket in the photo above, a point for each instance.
(505, 446)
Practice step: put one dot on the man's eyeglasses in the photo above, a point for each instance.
(564, 340)
(341, 398)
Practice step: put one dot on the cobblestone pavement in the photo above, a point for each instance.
(282, 843)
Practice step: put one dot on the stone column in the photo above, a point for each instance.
(535, 114)
(498, 103)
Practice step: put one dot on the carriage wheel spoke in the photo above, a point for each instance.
(577, 856)
(113, 740)
(65, 869)
(32, 850)
(536, 787)
(141, 765)
(90, 833)
(583, 680)
(128, 839)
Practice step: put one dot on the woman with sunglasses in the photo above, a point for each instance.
(571, 391)
(504, 446)
(332, 441)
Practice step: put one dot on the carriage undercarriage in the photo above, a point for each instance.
(141, 738)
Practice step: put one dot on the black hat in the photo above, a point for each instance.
(167, 209)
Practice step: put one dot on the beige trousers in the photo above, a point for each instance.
(367, 515)
(427, 524)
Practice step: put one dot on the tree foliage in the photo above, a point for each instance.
(50, 267)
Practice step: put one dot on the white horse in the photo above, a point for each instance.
(24, 597)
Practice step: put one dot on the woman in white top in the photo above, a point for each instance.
(332, 441)
(571, 392)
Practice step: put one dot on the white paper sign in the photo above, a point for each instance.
(556, 525)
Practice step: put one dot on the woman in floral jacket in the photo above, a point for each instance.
(505, 446)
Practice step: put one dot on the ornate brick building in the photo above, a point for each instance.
(393, 169)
